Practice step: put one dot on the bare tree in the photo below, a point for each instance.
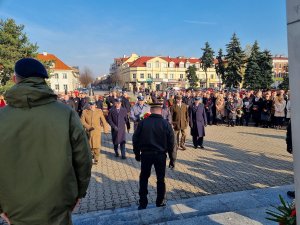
(86, 77)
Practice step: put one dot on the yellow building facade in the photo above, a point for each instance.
(158, 72)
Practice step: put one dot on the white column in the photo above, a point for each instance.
(293, 24)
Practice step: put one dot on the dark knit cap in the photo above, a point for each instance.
(29, 67)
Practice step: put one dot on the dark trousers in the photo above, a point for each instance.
(122, 146)
(159, 162)
(197, 141)
(247, 116)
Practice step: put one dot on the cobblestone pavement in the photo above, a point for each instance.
(234, 159)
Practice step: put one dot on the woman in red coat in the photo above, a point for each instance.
(2, 101)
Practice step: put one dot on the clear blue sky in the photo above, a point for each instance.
(93, 32)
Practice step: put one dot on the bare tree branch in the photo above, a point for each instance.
(86, 77)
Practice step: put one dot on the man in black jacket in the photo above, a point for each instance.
(152, 140)
(289, 147)
(125, 101)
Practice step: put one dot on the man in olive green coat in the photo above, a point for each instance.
(45, 159)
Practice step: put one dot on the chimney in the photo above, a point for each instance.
(45, 53)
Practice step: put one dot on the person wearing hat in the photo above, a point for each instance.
(93, 121)
(180, 120)
(197, 122)
(45, 159)
(125, 102)
(152, 140)
(118, 119)
(166, 114)
(139, 110)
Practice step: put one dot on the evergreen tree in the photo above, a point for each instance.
(285, 85)
(192, 76)
(235, 61)
(14, 45)
(252, 78)
(265, 63)
(220, 67)
(207, 59)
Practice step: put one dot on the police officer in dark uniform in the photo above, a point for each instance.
(152, 140)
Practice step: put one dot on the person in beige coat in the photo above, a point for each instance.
(220, 108)
(93, 121)
(279, 105)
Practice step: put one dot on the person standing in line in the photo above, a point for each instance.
(180, 120)
(99, 102)
(266, 108)
(69, 101)
(125, 102)
(2, 101)
(197, 122)
(118, 119)
(76, 100)
(166, 114)
(279, 115)
(93, 121)
(45, 158)
(247, 107)
(139, 110)
(256, 108)
(152, 140)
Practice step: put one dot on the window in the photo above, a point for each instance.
(157, 76)
(57, 87)
(181, 76)
(134, 76)
(187, 65)
(56, 75)
(163, 65)
(171, 76)
(197, 65)
(211, 76)
(279, 66)
(181, 65)
(211, 85)
(157, 64)
(149, 75)
(65, 87)
(166, 76)
(171, 65)
(142, 76)
(64, 76)
(148, 65)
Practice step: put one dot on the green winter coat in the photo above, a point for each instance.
(45, 159)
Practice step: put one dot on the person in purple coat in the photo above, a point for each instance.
(118, 119)
(197, 122)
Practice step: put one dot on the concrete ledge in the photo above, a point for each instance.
(245, 207)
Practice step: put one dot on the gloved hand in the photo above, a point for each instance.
(172, 164)
(138, 158)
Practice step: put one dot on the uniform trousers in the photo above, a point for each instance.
(183, 136)
(197, 141)
(159, 161)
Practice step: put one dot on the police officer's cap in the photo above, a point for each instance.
(118, 99)
(197, 98)
(140, 98)
(156, 105)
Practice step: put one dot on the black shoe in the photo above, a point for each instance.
(195, 147)
(117, 155)
(202, 147)
(142, 207)
(161, 205)
(124, 157)
(291, 194)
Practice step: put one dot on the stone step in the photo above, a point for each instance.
(236, 206)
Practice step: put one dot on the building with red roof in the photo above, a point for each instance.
(280, 69)
(158, 72)
(63, 78)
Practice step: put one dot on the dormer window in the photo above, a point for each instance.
(171, 65)
(157, 64)
(187, 65)
(181, 65)
(148, 64)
